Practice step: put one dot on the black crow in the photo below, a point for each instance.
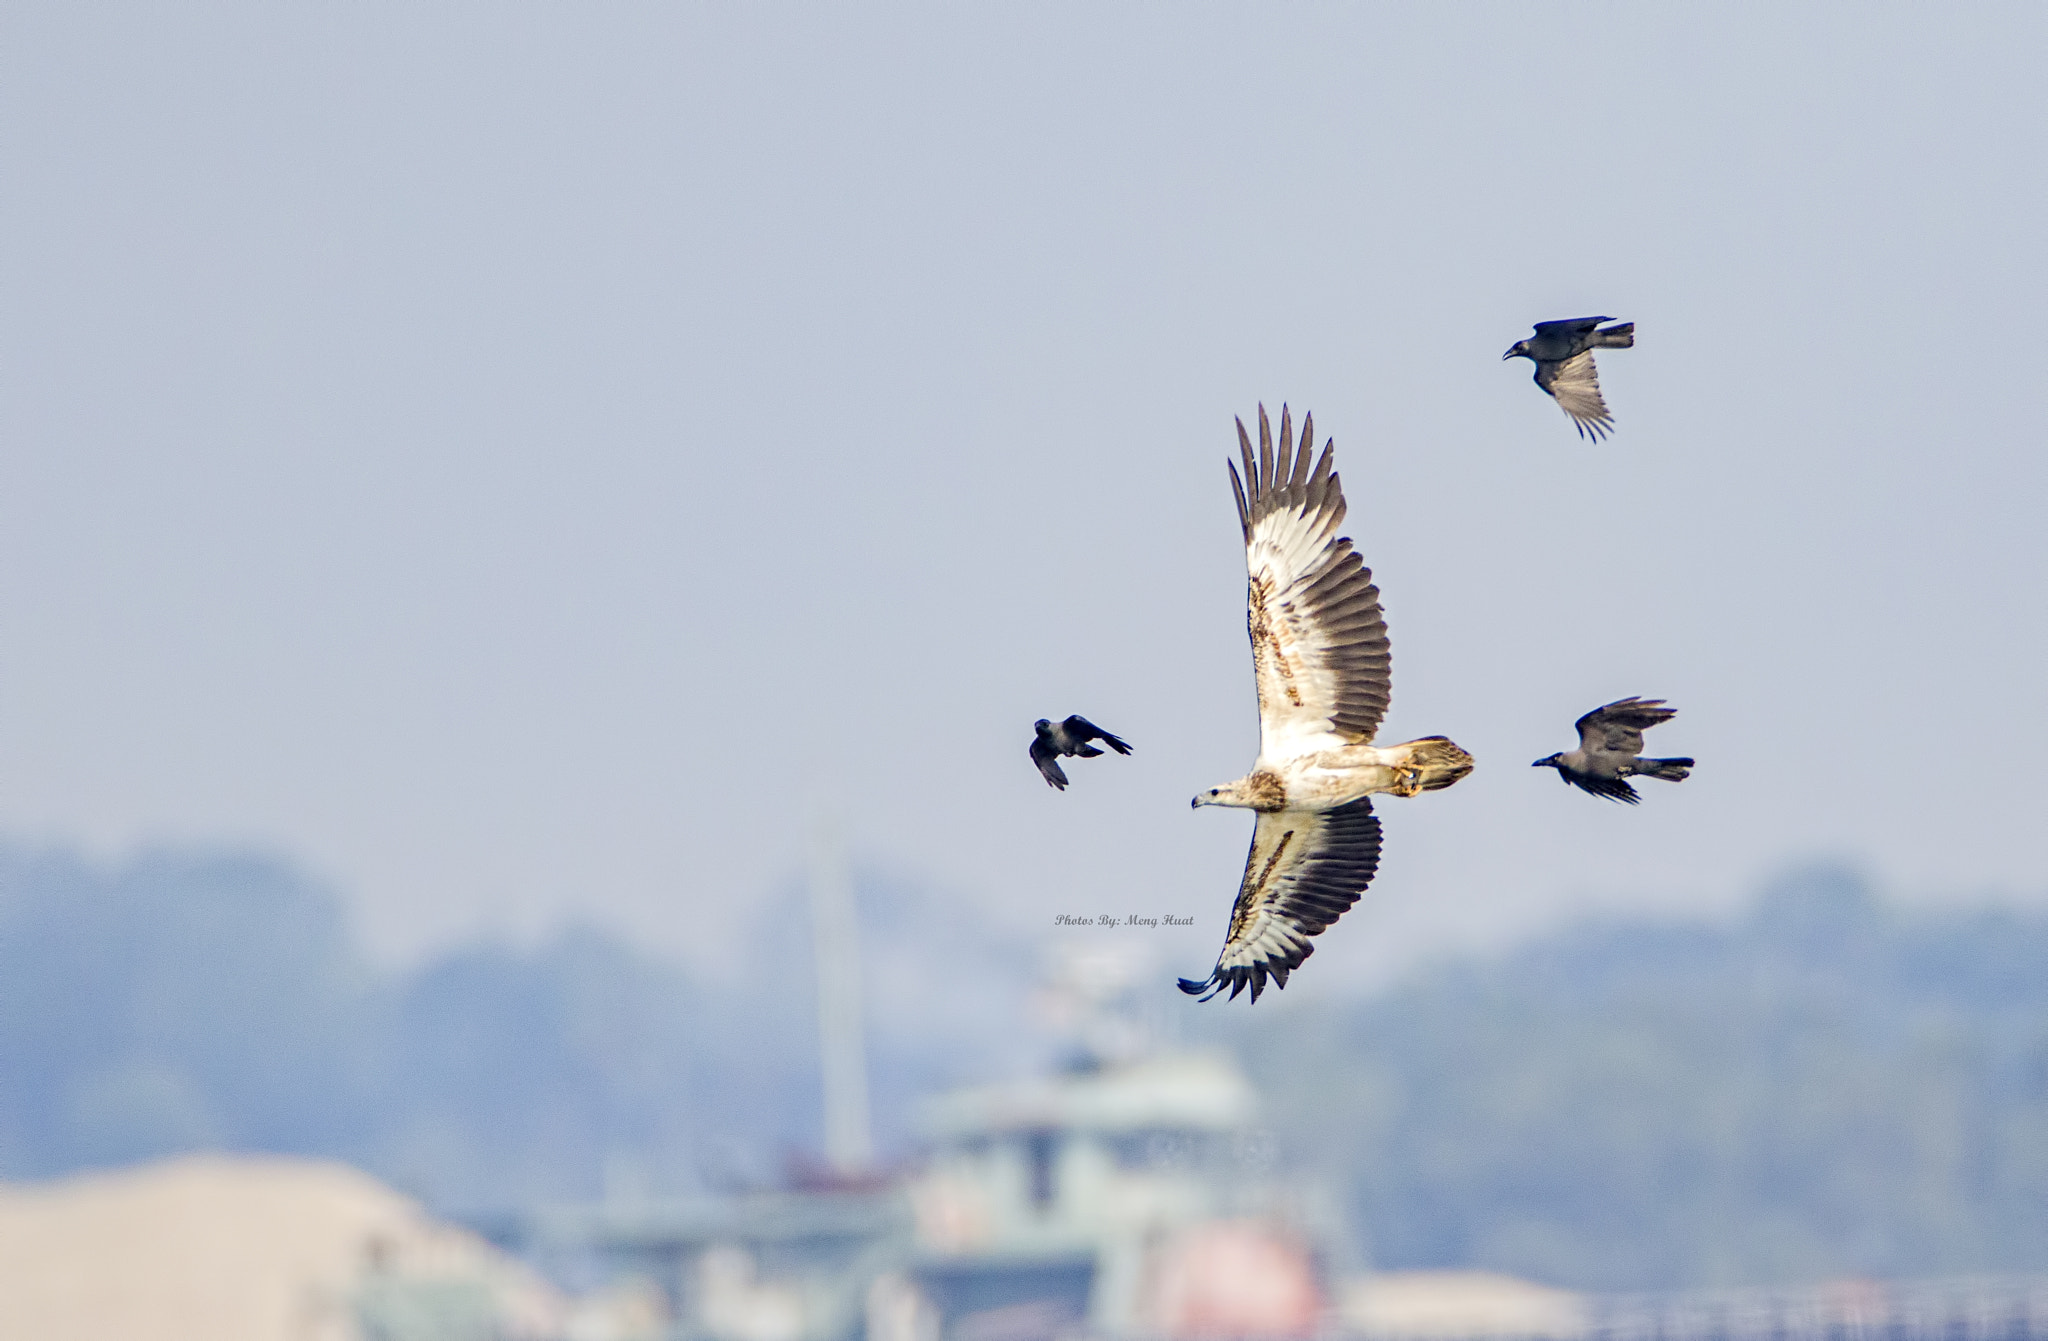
(1563, 354)
(1070, 737)
(1610, 743)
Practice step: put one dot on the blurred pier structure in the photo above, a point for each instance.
(1980, 1308)
(1451, 1305)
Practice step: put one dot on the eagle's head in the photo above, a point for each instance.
(1260, 790)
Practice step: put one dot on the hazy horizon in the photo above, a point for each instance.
(1828, 1085)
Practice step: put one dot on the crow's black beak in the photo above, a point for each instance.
(1539, 763)
(1505, 357)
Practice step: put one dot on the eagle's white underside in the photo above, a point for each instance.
(1328, 778)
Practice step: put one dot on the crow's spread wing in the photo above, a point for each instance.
(1617, 727)
(1319, 642)
(1305, 868)
(1079, 728)
(1569, 326)
(1048, 763)
(1614, 789)
(1575, 384)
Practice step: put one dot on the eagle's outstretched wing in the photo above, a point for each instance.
(1319, 640)
(1617, 727)
(1575, 384)
(1305, 868)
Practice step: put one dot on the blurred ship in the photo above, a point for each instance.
(1120, 1198)
(1129, 1193)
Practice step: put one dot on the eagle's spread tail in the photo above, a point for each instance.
(1431, 764)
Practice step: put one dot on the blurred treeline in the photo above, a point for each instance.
(192, 1001)
(1829, 1086)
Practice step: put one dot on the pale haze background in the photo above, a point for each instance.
(535, 466)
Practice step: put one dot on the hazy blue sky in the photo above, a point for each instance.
(528, 464)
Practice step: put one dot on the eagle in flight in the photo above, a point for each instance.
(1321, 659)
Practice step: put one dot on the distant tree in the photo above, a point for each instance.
(1829, 1088)
(203, 1000)
(178, 1003)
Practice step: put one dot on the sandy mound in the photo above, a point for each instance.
(214, 1248)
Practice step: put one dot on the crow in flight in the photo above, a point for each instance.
(1070, 737)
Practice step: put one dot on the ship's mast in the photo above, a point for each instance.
(842, 1046)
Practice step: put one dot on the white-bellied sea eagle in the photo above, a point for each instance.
(1321, 659)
